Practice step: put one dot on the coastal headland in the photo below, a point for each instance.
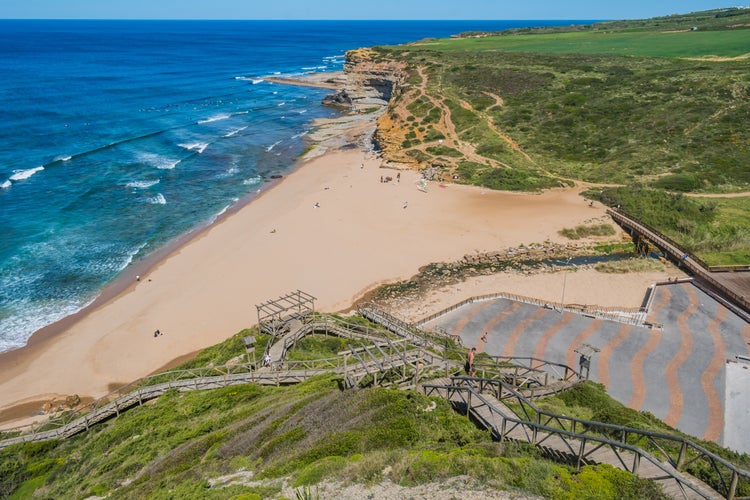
(332, 228)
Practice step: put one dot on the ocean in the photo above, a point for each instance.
(120, 136)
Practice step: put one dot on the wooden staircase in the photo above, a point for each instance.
(563, 445)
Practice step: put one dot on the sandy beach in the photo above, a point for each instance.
(331, 229)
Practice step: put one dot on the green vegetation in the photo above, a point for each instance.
(633, 43)
(586, 231)
(656, 106)
(716, 229)
(589, 401)
(309, 432)
(635, 265)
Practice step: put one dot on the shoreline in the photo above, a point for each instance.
(329, 227)
(126, 277)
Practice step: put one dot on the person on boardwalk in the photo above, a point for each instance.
(470, 361)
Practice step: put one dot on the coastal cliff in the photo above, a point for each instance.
(370, 78)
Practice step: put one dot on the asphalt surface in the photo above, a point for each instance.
(677, 373)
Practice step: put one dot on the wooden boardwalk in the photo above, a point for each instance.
(579, 448)
(733, 288)
(571, 440)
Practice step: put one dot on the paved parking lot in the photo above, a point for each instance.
(677, 374)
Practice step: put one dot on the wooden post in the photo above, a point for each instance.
(733, 485)
(681, 456)
(580, 453)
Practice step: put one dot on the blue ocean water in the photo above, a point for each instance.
(118, 136)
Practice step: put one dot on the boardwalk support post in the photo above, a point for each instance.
(733, 485)
(681, 456)
(581, 449)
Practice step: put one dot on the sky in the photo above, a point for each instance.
(350, 9)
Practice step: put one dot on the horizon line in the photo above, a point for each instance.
(278, 19)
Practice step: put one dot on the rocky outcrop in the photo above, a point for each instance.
(371, 80)
(340, 99)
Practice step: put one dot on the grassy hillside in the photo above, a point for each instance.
(642, 105)
(253, 442)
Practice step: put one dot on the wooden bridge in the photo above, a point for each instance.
(728, 285)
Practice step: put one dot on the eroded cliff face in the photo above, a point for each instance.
(370, 79)
(375, 81)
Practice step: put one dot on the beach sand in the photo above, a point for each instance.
(331, 229)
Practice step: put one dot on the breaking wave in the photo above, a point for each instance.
(20, 175)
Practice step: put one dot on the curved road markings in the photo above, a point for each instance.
(602, 366)
(570, 357)
(745, 332)
(510, 345)
(636, 366)
(464, 320)
(494, 321)
(686, 347)
(541, 345)
(715, 425)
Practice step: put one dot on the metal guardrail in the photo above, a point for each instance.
(675, 450)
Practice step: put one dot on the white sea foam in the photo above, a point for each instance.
(297, 136)
(253, 180)
(269, 148)
(302, 111)
(281, 103)
(244, 78)
(158, 199)
(214, 119)
(158, 161)
(228, 172)
(17, 328)
(274, 92)
(19, 175)
(234, 132)
(256, 81)
(131, 256)
(142, 184)
(6, 184)
(195, 146)
(63, 158)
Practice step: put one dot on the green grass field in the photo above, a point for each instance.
(691, 44)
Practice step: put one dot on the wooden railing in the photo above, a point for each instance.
(679, 452)
(383, 355)
(690, 262)
(627, 315)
